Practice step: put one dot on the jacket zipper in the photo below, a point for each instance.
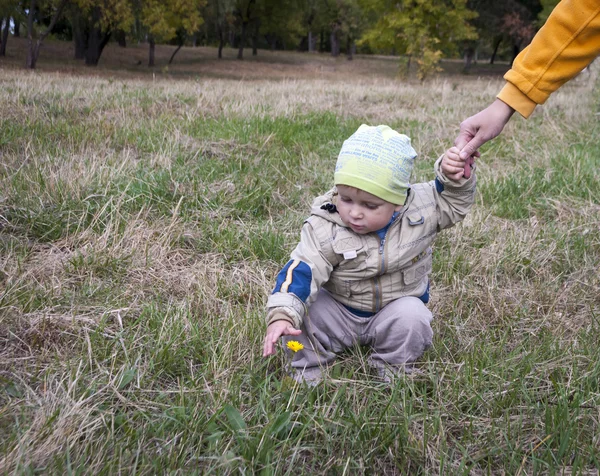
(378, 290)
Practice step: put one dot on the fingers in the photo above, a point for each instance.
(467, 169)
(471, 147)
(454, 167)
(269, 346)
(273, 335)
(290, 331)
(463, 138)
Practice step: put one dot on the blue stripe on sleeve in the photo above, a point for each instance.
(300, 282)
(439, 186)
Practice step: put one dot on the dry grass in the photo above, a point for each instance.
(142, 220)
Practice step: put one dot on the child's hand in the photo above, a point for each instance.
(274, 332)
(454, 167)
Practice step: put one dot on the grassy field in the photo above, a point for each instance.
(144, 216)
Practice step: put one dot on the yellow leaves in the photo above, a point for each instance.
(164, 18)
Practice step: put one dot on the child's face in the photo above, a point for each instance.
(362, 211)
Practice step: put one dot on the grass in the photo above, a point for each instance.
(144, 217)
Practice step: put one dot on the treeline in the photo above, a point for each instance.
(423, 31)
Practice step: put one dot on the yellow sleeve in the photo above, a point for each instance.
(567, 43)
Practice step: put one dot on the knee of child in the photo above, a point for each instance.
(412, 311)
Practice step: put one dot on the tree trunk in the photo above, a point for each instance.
(175, 52)
(335, 41)
(312, 42)
(17, 28)
(349, 48)
(468, 58)
(255, 43)
(496, 46)
(4, 37)
(79, 36)
(231, 38)
(96, 39)
(322, 41)
(33, 52)
(151, 45)
(221, 41)
(240, 55)
(121, 39)
(79, 39)
(516, 50)
(255, 32)
(33, 49)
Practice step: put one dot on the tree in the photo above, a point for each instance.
(421, 29)
(280, 22)
(220, 13)
(8, 9)
(167, 19)
(245, 14)
(509, 22)
(94, 21)
(34, 44)
(519, 28)
(547, 7)
(311, 20)
(4, 34)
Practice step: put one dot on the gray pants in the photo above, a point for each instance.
(398, 334)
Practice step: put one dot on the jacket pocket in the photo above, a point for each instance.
(416, 271)
(350, 249)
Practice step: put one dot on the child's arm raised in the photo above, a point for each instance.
(454, 193)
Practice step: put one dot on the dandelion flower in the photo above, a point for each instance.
(294, 345)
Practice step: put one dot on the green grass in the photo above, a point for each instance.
(141, 233)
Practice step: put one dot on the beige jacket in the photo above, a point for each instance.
(365, 272)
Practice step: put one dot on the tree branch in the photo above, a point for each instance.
(55, 18)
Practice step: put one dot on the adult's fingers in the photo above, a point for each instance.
(470, 148)
(464, 137)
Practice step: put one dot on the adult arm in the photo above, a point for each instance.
(566, 44)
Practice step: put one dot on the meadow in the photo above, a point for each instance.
(145, 214)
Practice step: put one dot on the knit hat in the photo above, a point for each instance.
(378, 160)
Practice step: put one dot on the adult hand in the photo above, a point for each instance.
(480, 128)
(274, 331)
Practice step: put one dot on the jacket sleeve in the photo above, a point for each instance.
(301, 278)
(566, 44)
(453, 199)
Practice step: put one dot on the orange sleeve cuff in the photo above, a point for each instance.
(513, 96)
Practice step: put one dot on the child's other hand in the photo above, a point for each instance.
(454, 167)
(274, 332)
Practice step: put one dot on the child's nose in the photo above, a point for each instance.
(355, 212)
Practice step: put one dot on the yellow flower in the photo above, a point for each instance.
(294, 345)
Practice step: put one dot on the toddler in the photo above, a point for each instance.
(360, 273)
